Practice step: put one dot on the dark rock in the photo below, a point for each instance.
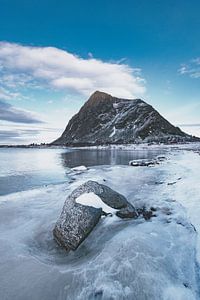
(153, 208)
(171, 183)
(127, 212)
(104, 119)
(147, 214)
(77, 220)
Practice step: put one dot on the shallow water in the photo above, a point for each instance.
(23, 169)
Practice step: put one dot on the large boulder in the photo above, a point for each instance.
(77, 220)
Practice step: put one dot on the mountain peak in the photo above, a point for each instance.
(99, 97)
(105, 119)
(99, 94)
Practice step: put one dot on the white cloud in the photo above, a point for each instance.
(61, 70)
(192, 68)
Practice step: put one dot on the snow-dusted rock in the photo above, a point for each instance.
(143, 162)
(83, 209)
(79, 168)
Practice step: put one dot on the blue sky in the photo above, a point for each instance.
(54, 54)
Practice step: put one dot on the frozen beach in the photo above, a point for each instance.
(120, 259)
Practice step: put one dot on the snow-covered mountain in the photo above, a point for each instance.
(104, 119)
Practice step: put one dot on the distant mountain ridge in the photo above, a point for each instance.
(105, 119)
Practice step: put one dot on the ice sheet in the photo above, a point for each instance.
(120, 259)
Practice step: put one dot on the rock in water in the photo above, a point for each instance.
(77, 220)
(104, 119)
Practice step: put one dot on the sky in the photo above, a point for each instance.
(55, 54)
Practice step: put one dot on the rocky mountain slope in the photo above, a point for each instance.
(104, 119)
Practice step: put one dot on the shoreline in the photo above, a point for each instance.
(122, 147)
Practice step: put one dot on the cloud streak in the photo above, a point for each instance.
(13, 133)
(61, 70)
(5, 134)
(12, 114)
(192, 68)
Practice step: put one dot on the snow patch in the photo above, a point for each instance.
(113, 132)
(91, 199)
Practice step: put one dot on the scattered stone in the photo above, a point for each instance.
(171, 183)
(147, 214)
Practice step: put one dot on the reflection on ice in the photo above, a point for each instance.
(121, 259)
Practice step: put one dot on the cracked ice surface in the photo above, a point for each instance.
(121, 259)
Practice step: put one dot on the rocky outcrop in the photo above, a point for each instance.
(104, 119)
(143, 162)
(77, 220)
